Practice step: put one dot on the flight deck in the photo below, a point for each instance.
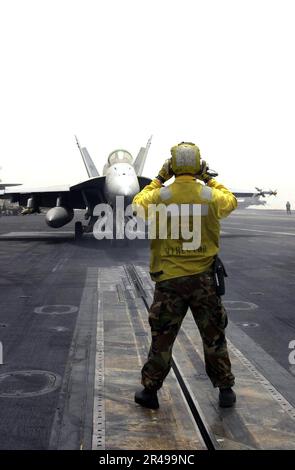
(75, 334)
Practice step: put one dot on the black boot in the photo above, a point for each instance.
(227, 397)
(147, 398)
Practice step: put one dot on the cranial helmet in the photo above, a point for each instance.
(186, 158)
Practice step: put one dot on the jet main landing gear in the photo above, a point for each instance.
(78, 230)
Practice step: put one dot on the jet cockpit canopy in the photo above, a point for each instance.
(120, 156)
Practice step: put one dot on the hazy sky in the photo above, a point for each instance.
(218, 73)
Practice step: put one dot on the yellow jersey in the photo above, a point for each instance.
(169, 258)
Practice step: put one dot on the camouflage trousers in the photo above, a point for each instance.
(172, 298)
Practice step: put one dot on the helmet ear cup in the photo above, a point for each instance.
(203, 167)
(186, 158)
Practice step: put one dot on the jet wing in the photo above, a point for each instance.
(97, 182)
(244, 193)
(143, 181)
(78, 196)
(91, 191)
(36, 189)
(6, 185)
(44, 196)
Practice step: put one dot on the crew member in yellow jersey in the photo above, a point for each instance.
(183, 271)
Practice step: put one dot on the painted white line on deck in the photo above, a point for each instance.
(285, 405)
(262, 231)
(30, 234)
(59, 265)
(271, 227)
(98, 436)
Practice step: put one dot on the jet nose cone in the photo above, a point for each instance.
(127, 188)
(123, 185)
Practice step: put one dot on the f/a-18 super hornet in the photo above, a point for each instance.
(121, 177)
(252, 198)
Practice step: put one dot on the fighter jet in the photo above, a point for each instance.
(263, 193)
(252, 198)
(121, 177)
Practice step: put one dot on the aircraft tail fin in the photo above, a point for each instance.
(88, 162)
(141, 158)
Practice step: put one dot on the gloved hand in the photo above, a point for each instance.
(166, 171)
(203, 175)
